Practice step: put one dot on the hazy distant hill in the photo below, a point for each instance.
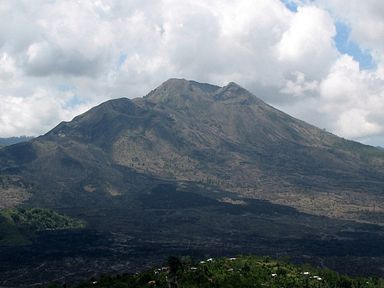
(199, 168)
(14, 140)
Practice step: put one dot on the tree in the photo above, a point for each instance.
(174, 265)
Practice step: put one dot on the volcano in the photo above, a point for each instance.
(208, 169)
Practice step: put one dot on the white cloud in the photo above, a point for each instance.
(355, 123)
(366, 19)
(299, 86)
(52, 52)
(308, 44)
(355, 97)
(7, 67)
(350, 101)
(31, 115)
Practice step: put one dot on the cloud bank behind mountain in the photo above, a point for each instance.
(309, 58)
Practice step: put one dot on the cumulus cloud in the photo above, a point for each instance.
(298, 86)
(348, 101)
(365, 19)
(309, 40)
(57, 58)
(355, 98)
(74, 40)
(31, 115)
(7, 67)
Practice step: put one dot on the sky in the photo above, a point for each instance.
(319, 60)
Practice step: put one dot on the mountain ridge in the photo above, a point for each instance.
(224, 136)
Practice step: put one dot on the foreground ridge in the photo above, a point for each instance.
(243, 271)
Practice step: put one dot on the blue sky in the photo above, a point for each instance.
(346, 46)
(342, 41)
(291, 5)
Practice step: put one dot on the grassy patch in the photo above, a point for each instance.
(18, 226)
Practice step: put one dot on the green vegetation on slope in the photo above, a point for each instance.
(10, 234)
(40, 219)
(236, 272)
(17, 226)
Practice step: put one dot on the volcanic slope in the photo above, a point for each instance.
(224, 138)
(198, 169)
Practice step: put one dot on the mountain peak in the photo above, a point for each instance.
(235, 88)
(181, 82)
(233, 84)
(180, 90)
(234, 93)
